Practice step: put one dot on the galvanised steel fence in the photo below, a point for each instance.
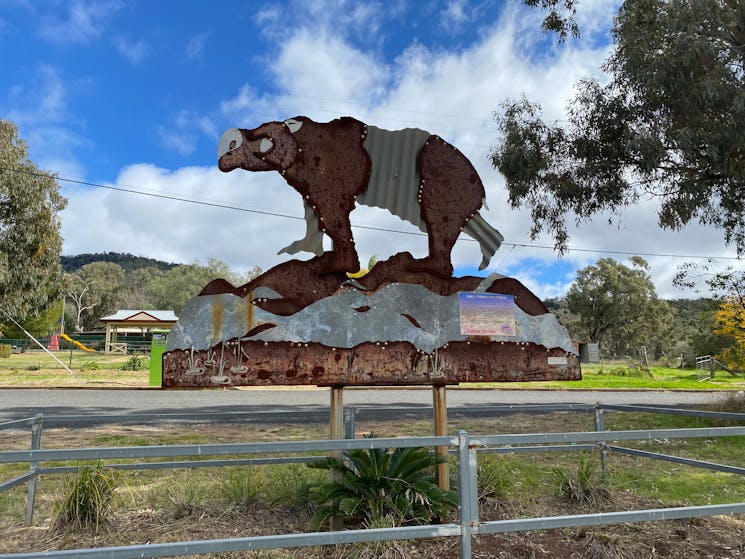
(464, 446)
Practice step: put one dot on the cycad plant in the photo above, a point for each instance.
(376, 483)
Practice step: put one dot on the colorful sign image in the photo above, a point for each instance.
(487, 314)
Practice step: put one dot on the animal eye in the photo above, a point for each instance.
(265, 145)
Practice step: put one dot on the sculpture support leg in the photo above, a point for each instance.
(441, 429)
(337, 432)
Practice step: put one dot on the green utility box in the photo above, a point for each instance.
(157, 349)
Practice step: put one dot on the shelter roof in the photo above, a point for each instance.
(138, 315)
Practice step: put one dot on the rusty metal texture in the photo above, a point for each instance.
(450, 193)
(299, 283)
(251, 363)
(291, 279)
(416, 176)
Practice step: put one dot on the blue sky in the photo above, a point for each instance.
(135, 94)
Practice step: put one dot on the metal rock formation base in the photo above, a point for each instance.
(381, 330)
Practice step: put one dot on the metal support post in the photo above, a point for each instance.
(600, 426)
(337, 432)
(467, 493)
(439, 406)
(33, 468)
(349, 427)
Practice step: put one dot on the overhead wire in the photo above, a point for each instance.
(166, 196)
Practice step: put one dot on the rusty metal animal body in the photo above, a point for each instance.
(415, 175)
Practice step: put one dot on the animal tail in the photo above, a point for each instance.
(489, 238)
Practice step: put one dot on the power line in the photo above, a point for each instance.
(132, 190)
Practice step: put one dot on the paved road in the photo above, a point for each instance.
(199, 405)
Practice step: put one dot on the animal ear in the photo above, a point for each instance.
(293, 125)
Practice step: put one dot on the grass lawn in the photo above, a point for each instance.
(37, 368)
(616, 375)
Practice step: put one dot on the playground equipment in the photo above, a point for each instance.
(76, 343)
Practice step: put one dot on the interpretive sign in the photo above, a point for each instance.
(487, 314)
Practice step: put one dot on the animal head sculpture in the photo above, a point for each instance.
(270, 147)
(415, 175)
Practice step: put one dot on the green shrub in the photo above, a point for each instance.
(186, 498)
(665, 361)
(639, 370)
(240, 488)
(731, 402)
(86, 498)
(135, 363)
(290, 485)
(495, 479)
(585, 485)
(391, 549)
(5, 350)
(90, 366)
(375, 483)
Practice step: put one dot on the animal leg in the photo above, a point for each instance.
(345, 254)
(450, 193)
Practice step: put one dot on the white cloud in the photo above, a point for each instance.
(593, 16)
(184, 130)
(53, 148)
(180, 231)
(195, 46)
(41, 112)
(132, 51)
(323, 65)
(44, 101)
(455, 16)
(326, 74)
(81, 22)
(360, 22)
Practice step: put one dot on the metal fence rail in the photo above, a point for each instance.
(465, 447)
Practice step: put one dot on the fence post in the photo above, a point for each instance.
(33, 468)
(349, 415)
(600, 426)
(467, 493)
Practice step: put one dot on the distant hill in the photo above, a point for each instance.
(126, 261)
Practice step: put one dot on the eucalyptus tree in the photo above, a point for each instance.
(30, 241)
(668, 124)
(93, 292)
(173, 288)
(618, 307)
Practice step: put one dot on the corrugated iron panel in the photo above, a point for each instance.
(394, 181)
(489, 238)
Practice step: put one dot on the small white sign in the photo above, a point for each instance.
(557, 360)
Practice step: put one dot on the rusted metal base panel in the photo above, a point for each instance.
(367, 364)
